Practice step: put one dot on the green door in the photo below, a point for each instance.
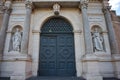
(57, 57)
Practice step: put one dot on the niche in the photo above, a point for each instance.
(16, 38)
(97, 39)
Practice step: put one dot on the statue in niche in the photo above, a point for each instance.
(97, 40)
(16, 40)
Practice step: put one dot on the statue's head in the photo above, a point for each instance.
(17, 29)
(95, 29)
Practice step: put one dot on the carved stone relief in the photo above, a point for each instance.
(56, 9)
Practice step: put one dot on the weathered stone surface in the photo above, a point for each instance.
(94, 66)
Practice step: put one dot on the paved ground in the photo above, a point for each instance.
(63, 78)
(56, 78)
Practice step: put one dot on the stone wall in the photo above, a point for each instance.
(116, 25)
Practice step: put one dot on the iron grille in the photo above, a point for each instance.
(57, 25)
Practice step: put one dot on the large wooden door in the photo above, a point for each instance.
(65, 55)
(57, 56)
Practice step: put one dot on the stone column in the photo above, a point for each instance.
(87, 32)
(25, 38)
(7, 10)
(112, 38)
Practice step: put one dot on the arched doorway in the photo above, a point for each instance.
(56, 55)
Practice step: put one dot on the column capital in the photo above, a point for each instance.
(106, 8)
(7, 9)
(28, 4)
(84, 4)
(1, 6)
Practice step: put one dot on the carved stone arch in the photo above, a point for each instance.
(15, 25)
(99, 25)
(43, 19)
(57, 17)
(96, 26)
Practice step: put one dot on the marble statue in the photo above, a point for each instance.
(16, 39)
(97, 40)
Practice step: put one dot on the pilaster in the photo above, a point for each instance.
(113, 41)
(25, 38)
(87, 34)
(7, 10)
(112, 37)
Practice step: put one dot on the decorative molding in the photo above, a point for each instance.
(104, 31)
(77, 31)
(95, 0)
(36, 31)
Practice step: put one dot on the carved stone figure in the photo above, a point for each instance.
(16, 39)
(56, 9)
(97, 40)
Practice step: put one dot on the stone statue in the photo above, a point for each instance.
(16, 39)
(97, 40)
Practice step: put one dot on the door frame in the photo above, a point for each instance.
(78, 42)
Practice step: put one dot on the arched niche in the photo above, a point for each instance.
(15, 29)
(97, 39)
(98, 27)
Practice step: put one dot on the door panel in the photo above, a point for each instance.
(57, 56)
(47, 56)
(65, 55)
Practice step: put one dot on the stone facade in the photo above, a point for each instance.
(28, 16)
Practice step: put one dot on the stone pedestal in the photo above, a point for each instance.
(22, 70)
(91, 68)
(116, 58)
(17, 66)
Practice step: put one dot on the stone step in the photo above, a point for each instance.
(4, 78)
(110, 79)
(64, 78)
(55, 78)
